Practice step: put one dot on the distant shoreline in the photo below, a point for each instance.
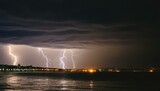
(124, 76)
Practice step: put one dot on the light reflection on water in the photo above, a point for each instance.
(39, 83)
(13, 82)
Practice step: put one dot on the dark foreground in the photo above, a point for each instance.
(80, 81)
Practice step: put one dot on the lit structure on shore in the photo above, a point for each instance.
(18, 68)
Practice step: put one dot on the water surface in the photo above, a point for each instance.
(27, 82)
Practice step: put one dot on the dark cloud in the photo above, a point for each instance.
(19, 33)
(73, 33)
(84, 10)
(83, 24)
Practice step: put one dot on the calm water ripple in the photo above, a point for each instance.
(13, 82)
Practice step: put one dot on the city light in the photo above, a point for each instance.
(91, 70)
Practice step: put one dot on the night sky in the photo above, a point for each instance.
(100, 33)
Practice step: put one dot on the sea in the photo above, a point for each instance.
(50, 82)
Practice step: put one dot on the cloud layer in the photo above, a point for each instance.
(125, 31)
(73, 34)
(78, 24)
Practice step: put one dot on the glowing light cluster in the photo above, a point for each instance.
(91, 70)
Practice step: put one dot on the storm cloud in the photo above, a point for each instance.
(83, 24)
(73, 33)
(78, 23)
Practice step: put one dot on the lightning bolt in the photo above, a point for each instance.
(15, 58)
(72, 59)
(41, 51)
(62, 59)
(62, 63)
